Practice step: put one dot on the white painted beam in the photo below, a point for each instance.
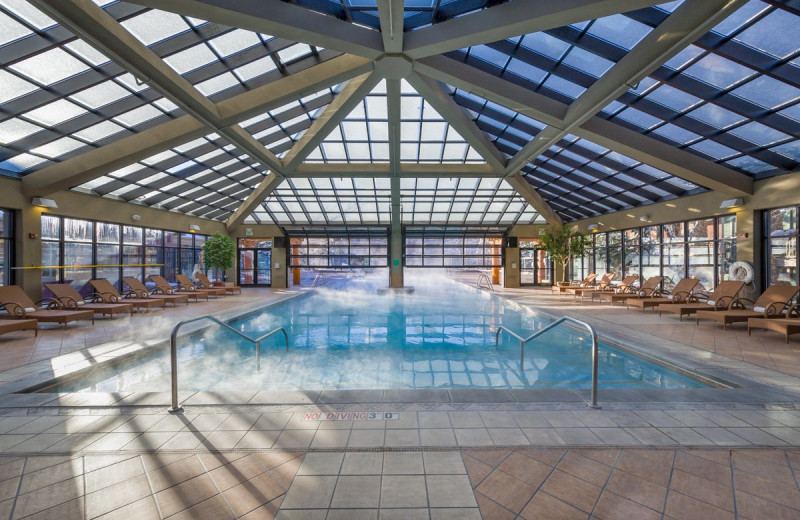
(257, 196)
(383, 170)
(391, 13)
(532, 197)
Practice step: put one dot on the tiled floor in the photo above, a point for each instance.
(708, 453)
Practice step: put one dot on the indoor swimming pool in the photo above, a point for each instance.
(440, 336)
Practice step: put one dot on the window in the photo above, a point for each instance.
(535, 265)
(255, 261)
(781, 236)
(457, 248)
(6, 244)
(346, 249)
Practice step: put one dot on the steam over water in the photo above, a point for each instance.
(352, 335)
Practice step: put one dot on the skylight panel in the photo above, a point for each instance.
(776, 34)
(55, 113)
(489, 55)
(12, 87)
(750, 164)
(191, 58)
(50, 67)
(639, 118)
(716, 116)
(587, 62)
(29, 13)
(334, 151)
(758, 133)
(100, 95)
(376, 107)
(22, 162)
(154, 26)
(718, 71)
(564, 86)
(11, 30)
(255, 68)
(790, 150)
(14, 129)
(58, 147)
(619, 30)
(685, 56)
(673, 98)
(138, 115)
(87, 52)
(294, 52)
(740, 17)
(234, 41)
(767, 92)
(545, 44)
(714, 149)
(217, 84)
(526, 71)
(132, 82)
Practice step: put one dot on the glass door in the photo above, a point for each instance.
(535, 265)
(255, 262)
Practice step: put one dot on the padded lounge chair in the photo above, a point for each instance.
(72, 299)
(186, 285)
(586, 282)
(604, 282)
(7, 326)
(624, 287)
(163, 287)
(20, 306)
(721, 299)
(206, 283)
(787, 326)
(648, 288)
(108, 293)
(141, 291)
(772, 303)
(679, 294)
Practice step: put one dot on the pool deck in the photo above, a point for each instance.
(647, 453)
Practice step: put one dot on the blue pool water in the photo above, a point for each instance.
(441, 336)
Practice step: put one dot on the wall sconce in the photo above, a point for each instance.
(731, 203)
(194, 228)
(644, 218)
(44, 203)
(594, 228)
(136, 218)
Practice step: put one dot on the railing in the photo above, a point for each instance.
(538, 333)
(484, 281)
(320, 277)
(173, 351)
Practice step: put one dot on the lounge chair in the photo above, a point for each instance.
(205, 282)
(648, 288)
(163, 287)
(679, 294)
(108, 293)
(772, 303)
(787, 326)
(721, 299)
(72, 300)
(624, 287)
(186, 285)
(141, 291)
(586, 282)
(20, 306)
(7, 326)
(604, 282)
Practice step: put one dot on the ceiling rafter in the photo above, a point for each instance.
(256, 197)
(384, 170)
(537, 106)
(345, 101)
(687, 23)
(391, 17)
(278, 18)
(508, 20)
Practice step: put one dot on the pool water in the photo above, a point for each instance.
(440, 336)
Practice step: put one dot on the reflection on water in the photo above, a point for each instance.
(440, 337)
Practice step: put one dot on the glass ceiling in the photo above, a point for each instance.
(732, 97)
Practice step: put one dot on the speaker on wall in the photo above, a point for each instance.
(279, 242)
(512, 241)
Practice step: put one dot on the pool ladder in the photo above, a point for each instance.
(484, 281)
(320, 279)
(538, 333)
(173, 351)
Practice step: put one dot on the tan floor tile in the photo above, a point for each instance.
(185, 495)
(67, 510)
(549, 457)
(683, 507)
(585, 468)
(285, 473)
(172, 474)
(476, 470)
(265, 512)
(781, 492)
(637, 462)
(144, 509)
(113, 474)
(755, 508)
(613, 507)
(253, 494)
(113, 497)
(215, 508)
(511, 493)
(545, 506)
(572, 490)
(771, 465)
(238, 471)
(49, 496)
(493, 510)
(607, 457)
(525, 469)
(704, 468)
(637, 489)
(50, 475)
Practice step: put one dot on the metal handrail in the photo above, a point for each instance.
(481, 277)
(320, 275)
(538, 333)
(173, 351)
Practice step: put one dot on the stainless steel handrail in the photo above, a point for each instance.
(538, 333)
(173, 351)
(319, 276)
(481, 277)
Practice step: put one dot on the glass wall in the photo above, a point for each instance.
(781, 236)
(255, 261)
(6, 245)
(434, 248)
(703, 249)
(535, 265)
(333, 251)
(80, 250)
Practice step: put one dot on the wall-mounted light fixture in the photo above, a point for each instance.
(44, 203)
(594, 227)
(136, 218)
(644, 218)
(194, 228)
(731, 203)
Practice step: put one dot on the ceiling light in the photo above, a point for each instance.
(44, 203)
(594, 227)
(194, 228)
(136, 217)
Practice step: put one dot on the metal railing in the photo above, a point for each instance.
(538, 333)
(483, 277)
(320, 277)
(173, 351)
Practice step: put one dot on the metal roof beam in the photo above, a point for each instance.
(532, 197)
(256, 197)
(383, 170)
(508, 20)
(391, 17)
(344, 102)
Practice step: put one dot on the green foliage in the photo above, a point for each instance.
(218, 252)
(562, 244)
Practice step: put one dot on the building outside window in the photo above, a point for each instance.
(535, 265)
(255, 261)
(6, 245)
(781, 236)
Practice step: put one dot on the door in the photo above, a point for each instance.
(535, 265)
(255, 262)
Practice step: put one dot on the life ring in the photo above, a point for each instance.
(741, 271)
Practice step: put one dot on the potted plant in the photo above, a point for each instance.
(562, 244)
(218, 253)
